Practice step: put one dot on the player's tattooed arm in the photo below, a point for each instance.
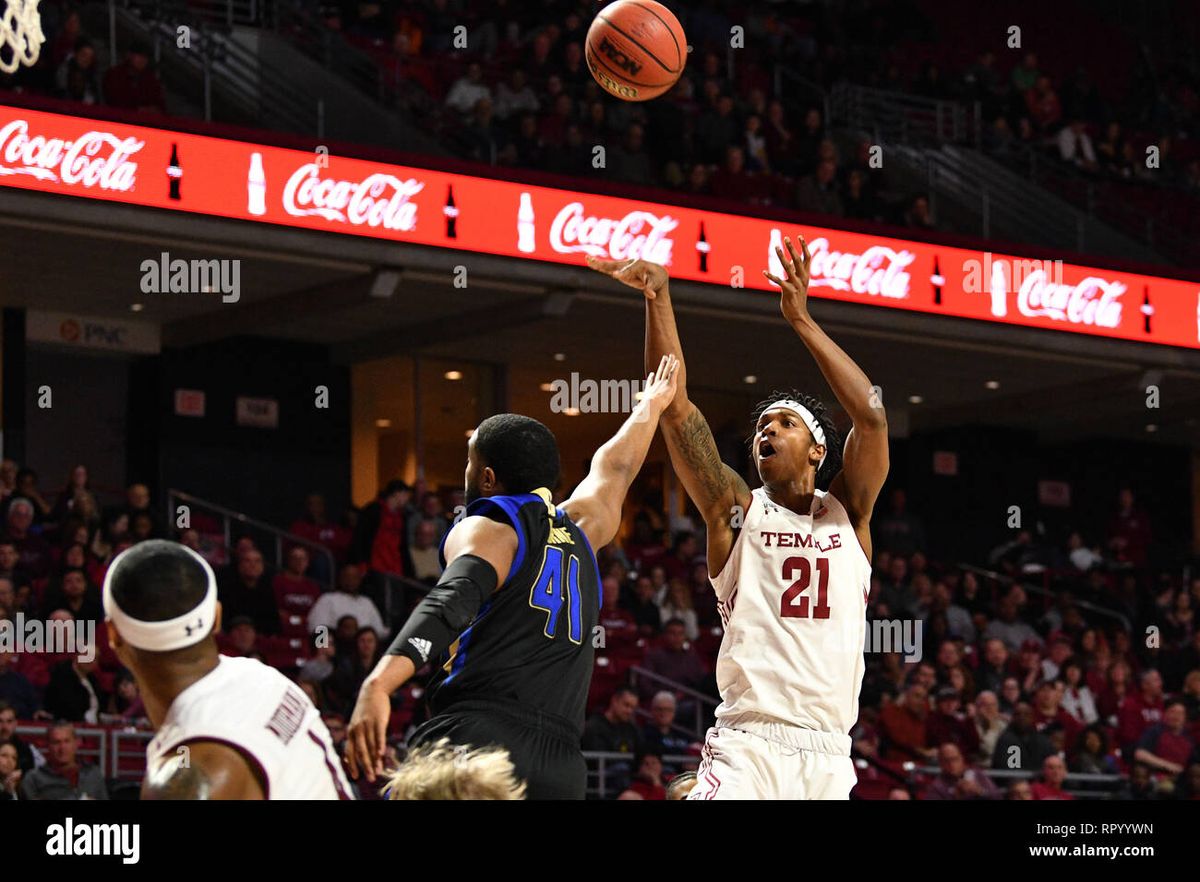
(202, 771)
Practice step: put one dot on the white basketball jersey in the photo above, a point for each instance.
(253, 707)
(793, 599)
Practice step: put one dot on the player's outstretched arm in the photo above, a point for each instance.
(865, 455)
(595, 506)
(479, 554)
(207, 771)
(714, 487)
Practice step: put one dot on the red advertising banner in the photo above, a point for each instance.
(184, 172)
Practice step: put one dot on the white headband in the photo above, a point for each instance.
(176, 633)
(809, 420)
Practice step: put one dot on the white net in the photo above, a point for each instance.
(21, 36)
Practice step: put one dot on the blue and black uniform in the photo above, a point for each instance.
(518, 675)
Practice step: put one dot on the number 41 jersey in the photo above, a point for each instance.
(531, 642)
(793, 599)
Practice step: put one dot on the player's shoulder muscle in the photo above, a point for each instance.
(206, 770)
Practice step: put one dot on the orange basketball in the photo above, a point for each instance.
(636, 49)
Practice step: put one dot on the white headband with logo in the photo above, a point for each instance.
(176, 633)
(809, 420)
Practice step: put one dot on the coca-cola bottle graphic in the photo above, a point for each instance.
(451, 212)
(999, 284)
(256, 186)
(937, 280)
(174, 173)
(526, 240)
(1147, 309)
(702, 247)
(774, 265)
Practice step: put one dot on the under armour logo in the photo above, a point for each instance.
(196, 627)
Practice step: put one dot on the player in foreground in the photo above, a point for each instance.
(790, 563)
(442, 771)
(517, 604)
(228, 728)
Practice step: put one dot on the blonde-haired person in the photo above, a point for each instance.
(678, 604)
(445, 771)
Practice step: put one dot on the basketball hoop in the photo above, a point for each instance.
(21, 36)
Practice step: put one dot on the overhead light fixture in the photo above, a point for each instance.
(750, 379)
(560, 356)
(383, 424)
(992, 384)
(1151, 427)
(453, 375)
(137, 307)
(547, 387)
(384, 284)
(572, 411)
(915, 399)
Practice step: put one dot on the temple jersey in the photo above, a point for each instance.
(793, 599)
(247, 705)
(530, 644)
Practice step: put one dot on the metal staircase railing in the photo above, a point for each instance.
(277, 540)
(900, 118)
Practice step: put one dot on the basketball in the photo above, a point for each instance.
(636, 49)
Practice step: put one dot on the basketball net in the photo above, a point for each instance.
(21, 36)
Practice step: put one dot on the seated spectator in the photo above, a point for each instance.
(315, 526)
(481, 133)
(33, 551)
(1139, 711)
(1075, 146)
(818, 192)
(648, 780)
(897, 600)
(1043, 106)
(1082, 557)
(620, 628)
(1166, 746)
(1077, 698)
(74, 693)
(716, 130)
(247, 592)
(957, 779)
(63, 776)
(899, 531)
(346, 600)
(241, 638)
(919, 215)
(730, 181)
(989, 723)
(678, 604)
(779, 139)
(294, 592)
(630, 162)
(132, 84)
(1092, 756)
(468, 90)
(754, 143)
(1021, 745)
(28, 756)
(946, 724)
(808, 141)
(321, 663)
(1010, 629)
(126, 699)
(644, 608)
(1047, 711)
(515, 97)
(902, 726)
(10, 774)
(425, 553)
(341, 688)
(16, 692)
(11, 567)
(675, 660)
(613, 730)
(1054, 773)
(658, 735)
(137, 502)
(76, 595)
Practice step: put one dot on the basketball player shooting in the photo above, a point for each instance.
(517, 605)
(790, 564)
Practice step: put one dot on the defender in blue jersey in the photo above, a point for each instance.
(511, 620)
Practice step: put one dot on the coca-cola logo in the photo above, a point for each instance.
(379, 200)
(879, 271)
(1093, 301)
(639, 234)
(94, 159)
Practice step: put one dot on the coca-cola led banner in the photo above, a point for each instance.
(184, 172)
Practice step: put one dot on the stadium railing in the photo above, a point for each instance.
(1105, 786)
(609, 773)
(701, 709)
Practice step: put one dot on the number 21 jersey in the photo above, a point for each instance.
(793, 600)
